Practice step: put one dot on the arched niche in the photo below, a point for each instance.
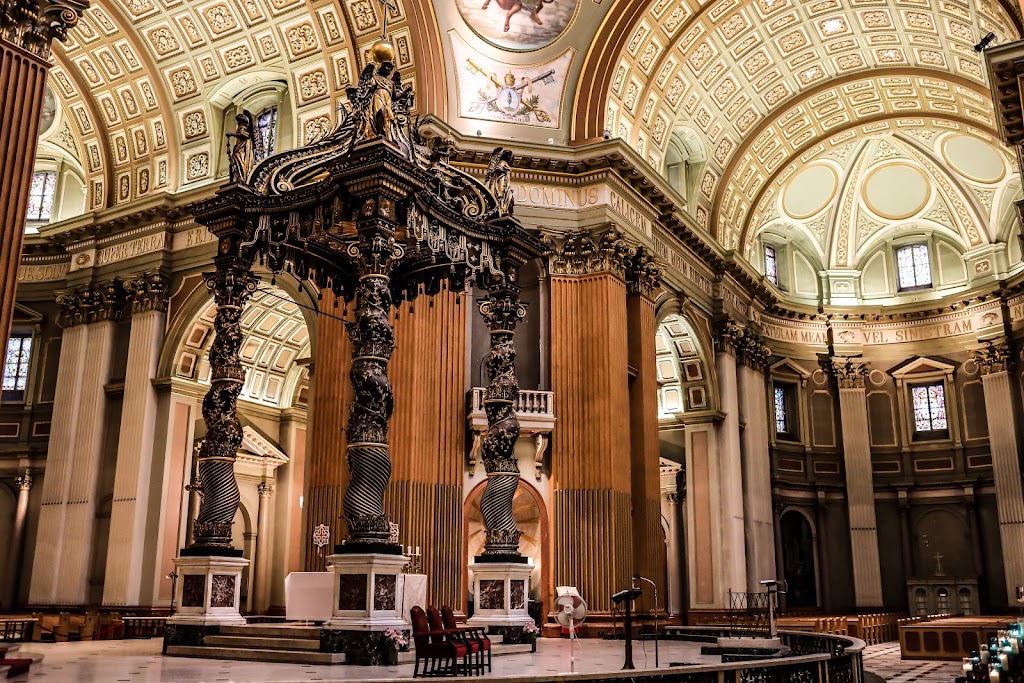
(799, 558)
(531, 516)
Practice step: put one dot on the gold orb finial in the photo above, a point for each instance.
(382, 51)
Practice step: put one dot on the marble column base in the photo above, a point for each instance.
(207, 591)
(500, 591)
(368, 592)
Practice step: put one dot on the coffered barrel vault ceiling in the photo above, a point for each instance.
(805, 108)
(135, 80)
(769, 83)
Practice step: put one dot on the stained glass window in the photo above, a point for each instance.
(40, 198)
(913, 266)
(929, 407)
(266, 127)
(771, 270)
(781, 421)
(19, 350)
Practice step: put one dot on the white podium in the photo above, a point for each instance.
(367, 595)
(500, 591)
(208, 590)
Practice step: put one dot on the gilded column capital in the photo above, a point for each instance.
(752, 351)
(849, 372)
(33, 25)
(993, 357)
(265, 489)
(672, 498)
(643, 275)
(147, 292)
(91, 303)
(24, 481)
(502, 310)
(728, 336)
(582, 252)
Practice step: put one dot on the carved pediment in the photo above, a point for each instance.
(922, 366)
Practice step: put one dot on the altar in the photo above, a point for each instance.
(309, 596)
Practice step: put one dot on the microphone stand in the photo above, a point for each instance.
(655, 587)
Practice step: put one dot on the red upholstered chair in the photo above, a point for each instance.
(472, 634)
(454, 635)
(438, 652)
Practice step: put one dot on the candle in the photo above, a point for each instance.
(993, 676)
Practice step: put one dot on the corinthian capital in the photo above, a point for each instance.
(752, 351)
(147, 292)
(728, 336)
(643, 276)
(849, 372)
(33, 25)
(24, 481)
(581, 252)
(993, 357)
(91, 303)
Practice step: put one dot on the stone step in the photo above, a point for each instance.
(272, 631)
(263, 642)
(256, 654)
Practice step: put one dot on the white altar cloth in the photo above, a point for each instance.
(308, 596)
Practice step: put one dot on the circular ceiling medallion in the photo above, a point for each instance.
(973, 158)
(896, 191)
(810, 191)
(516, 25)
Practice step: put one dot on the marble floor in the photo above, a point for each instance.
(131, 661)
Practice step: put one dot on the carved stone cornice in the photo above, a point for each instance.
(147, 292)
(91, 303)
(33, 24)
(583, 253)
(849, 372)
(993, 357)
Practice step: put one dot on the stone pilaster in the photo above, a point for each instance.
(16, 548)
(757, 481)
(60, 571)
(261, 561)
(860, 492)
(733, 570)
(994, 359)
(130, 510)
(674, 560)
(27, 28)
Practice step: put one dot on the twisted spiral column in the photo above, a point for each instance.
(502, 310)
(218, 490)
(373, 341)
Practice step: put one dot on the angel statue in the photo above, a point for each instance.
(499, 181)
(248, 142)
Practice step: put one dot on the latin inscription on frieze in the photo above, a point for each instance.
(132, 248)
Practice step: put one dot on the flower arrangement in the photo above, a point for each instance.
(393, 642)
(395, 639)
(529, 637)
(531, 629)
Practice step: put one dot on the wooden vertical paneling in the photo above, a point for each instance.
(326, 475)
(648, 539)
(590, 450)
(22, 83)
(427, 438)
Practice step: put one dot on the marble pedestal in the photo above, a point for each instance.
(368, 598)
(500, 591)
(207, 591)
